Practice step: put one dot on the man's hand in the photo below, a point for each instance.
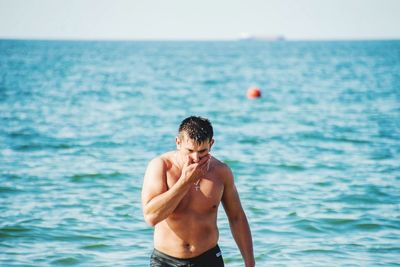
(193, 171)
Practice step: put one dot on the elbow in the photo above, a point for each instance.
(150, 219)
(238, 218)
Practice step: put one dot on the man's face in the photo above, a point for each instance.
(187, 146)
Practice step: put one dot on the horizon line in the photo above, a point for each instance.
(268, 39)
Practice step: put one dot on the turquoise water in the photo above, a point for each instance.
(316, 159)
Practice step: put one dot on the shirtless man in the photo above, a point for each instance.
(181, 193)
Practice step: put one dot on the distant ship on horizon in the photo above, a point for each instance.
(267, 38)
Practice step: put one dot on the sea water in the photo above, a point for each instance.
(316, 159)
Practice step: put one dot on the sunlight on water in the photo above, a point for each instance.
(316, 159)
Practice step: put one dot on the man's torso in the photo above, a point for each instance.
(192, 228)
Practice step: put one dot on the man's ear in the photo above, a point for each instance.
(178, 142)
(211, 143)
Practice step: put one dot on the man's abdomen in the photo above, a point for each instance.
(186, 236)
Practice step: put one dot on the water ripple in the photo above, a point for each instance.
(315, 159)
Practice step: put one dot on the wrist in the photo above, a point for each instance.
(184, 182)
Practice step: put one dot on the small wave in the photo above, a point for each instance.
(24, 133)
(338, 221)
(291, 167)
(330, 166)
(320, 251)
(364, 198)
(71, 237)
(251, 141)
(368, 226)
(210, 82)
(339, 139)
(13, 231)
(350, 140)
(386, 250)
(66, 261)
(99, 246)
(96, 176)
(7, 189)
(324, 183)
(39, 146)
(308, 225)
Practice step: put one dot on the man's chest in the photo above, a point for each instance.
(202, 196)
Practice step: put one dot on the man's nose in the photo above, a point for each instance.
(195, 157)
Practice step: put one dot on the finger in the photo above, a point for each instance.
(204, 160)
(188, 161)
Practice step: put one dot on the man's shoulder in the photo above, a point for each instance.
(223, 171)
(219, 163)
(220, 166)
(161, 161)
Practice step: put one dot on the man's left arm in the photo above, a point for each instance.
(237, 218)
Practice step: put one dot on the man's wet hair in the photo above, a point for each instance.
(198, 129)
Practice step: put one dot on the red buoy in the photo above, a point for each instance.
(253, 92)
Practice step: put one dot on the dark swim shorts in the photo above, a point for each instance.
(210, 258)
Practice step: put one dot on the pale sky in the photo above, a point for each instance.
(199, 19)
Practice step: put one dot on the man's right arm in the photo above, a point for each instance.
(157, 201)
